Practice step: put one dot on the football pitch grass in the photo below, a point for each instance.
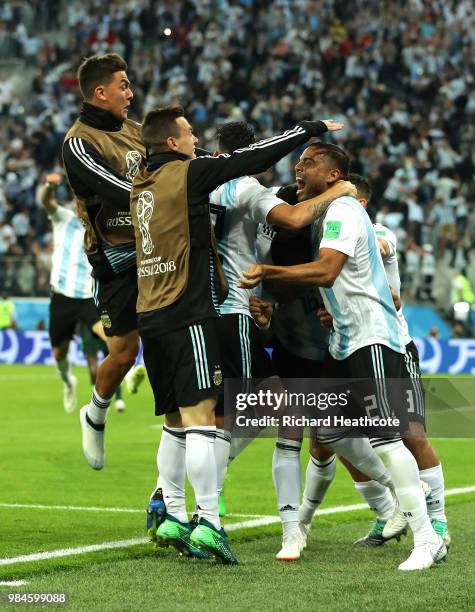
(51, 502)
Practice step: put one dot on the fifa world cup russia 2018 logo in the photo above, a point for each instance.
(133, 159)
(145, 206)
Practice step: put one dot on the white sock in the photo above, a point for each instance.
(434, 477)
(97, 409)
(64, 370)
(222, 445)
(172, 471)
(287, 481)
(360, 453)
(378, 497)
(318, 478)
(202, 472)
(405, 476)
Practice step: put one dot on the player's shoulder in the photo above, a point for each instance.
(132, 125)
(383, 231)
(347, 205)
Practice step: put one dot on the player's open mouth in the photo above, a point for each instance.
(300, 183)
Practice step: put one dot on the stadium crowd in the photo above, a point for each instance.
(398, 76)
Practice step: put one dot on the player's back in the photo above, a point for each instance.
(71, 271)
(238, 207)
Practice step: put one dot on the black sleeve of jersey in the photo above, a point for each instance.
(90, 175)
(207, 173)
(288, 193)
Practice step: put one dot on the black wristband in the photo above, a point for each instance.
(313, 128)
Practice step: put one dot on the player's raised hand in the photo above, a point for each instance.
(261, 311)
(53, 178)
(341, 188)
(252, 277)
(333, 126)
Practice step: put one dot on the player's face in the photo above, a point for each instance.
(313, 174)
(186, 141)
(117, 95)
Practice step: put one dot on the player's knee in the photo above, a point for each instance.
(319, 452)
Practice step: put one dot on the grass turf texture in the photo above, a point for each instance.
(42, 464)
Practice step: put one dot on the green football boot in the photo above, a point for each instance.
(374, 537)
(214, 542)
(174, 533)
(442, 529)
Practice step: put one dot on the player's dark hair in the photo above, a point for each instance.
(234, 135)
(98, 70)
(338, 156)
(159, 125)
(363, 186)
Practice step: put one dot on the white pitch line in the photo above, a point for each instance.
(13, 582)
(99, 509)
(258, 522)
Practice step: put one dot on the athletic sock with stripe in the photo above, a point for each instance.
(97, 410)
(318, 478)
(378, 497)
(172, 471)
(202, 472)
(287, 481)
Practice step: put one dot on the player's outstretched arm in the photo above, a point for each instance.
(322, 273)
(300, 215)
(207, 173)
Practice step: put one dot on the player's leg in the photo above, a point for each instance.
(379, 499)
(430, 468)
(116, 302)
(382, 363)
(63, 319)
(167, 519)
(194, 359)
(319, 475)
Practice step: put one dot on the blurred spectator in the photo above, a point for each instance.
(7, 313)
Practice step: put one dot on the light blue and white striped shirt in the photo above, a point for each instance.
(360, 300)
(245, 204)
(71, 271)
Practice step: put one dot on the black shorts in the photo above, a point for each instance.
(65, 313)
(184, 366)
(380, 391)
(416, 395)
(289, 365)
(242, 353)
(379, 380)
(116, 301)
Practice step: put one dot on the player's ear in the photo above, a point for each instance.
(334, 176)
(100, 93)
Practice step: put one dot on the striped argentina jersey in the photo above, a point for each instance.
(238, 208)
(71, 271)
(391, 268)
(360, 300)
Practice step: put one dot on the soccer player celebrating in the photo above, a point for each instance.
(388, 524)
(368, 339)
(181, 282)
(71, 286)
(102, 153)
